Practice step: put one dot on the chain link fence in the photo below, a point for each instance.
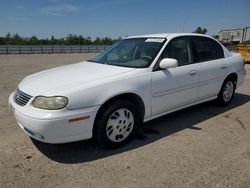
(51, 49)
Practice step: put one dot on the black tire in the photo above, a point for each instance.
(221, 100)
(101, 123)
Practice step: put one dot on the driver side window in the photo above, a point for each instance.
(124, 52)
(179, 49)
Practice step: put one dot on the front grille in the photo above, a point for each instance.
(22, 98)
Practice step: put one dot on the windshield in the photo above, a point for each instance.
(134, 52)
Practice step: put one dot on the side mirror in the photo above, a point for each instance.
(167, 63)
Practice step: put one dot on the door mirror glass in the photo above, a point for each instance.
(167, 63)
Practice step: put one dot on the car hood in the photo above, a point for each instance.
(60, 80)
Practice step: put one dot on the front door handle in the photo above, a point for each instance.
(223, 66)
(193, 73)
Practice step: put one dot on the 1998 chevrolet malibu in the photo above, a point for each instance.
(136, 80)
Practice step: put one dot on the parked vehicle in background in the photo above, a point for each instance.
(136, 80)
(244, 50)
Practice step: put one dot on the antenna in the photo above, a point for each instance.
(184, 25)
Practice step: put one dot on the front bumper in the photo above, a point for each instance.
(53, 126)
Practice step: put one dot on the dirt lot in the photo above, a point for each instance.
(202, 146)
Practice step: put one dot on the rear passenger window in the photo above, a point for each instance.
(179, 49)
(206, 49)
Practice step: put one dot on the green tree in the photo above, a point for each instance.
(216, 36)
(200, 30)
(71, 39)
(2, 40)
(8, 36)
(33, 40)
(16, 39)
(97, 40)
(53, 40)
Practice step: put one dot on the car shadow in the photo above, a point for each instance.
(84, 151)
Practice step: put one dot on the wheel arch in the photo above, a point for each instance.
(132, 97)
(233, 76)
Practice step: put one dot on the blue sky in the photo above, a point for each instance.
(114, 18)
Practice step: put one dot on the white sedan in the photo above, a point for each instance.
(136, 80)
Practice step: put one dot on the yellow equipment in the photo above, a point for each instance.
(244, 50)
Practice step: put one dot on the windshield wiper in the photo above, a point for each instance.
(96, 61)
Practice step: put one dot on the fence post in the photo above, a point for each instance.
(7, 50)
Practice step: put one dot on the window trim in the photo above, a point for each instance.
(146, 66)
(195, 54)
(194, 51)
(156, 66)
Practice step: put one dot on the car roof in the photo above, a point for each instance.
(165, 35)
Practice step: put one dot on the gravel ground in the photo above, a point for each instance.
(202, 146)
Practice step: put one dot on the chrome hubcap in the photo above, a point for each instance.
(120, 124)
(228, 91)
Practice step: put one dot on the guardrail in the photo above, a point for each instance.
(51, 49)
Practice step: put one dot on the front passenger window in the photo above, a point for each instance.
(179, 49)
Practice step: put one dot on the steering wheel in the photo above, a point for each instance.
(147, 58)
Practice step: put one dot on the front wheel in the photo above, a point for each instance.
(116, 124)
(227, 92)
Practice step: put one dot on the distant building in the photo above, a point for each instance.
(234, 35)
(246, 35)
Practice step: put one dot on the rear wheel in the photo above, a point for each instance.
(227, 92)
(116, 124)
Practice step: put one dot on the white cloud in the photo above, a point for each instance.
(59, 10)
(62, 9)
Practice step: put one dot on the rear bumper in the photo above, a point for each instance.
(54, 129)
(241, 77)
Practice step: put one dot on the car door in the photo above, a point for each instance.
(212, 66)
(175, 87)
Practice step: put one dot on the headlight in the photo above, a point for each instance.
(50, 103)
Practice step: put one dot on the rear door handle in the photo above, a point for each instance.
(193, 73)
(223, 66)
